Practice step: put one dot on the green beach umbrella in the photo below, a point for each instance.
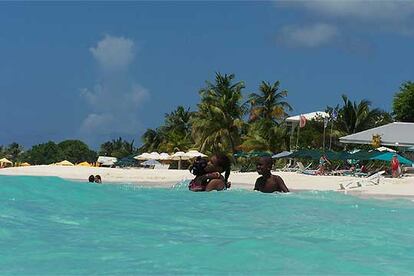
(256, 153)
(387, 156)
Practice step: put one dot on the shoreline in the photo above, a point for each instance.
(388, 188)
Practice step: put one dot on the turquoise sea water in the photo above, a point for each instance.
(53, 226)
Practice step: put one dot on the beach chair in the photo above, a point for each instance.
(290, 168)
(369, 181)
(306, 170)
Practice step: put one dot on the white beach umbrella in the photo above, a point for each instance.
(144, 156)
(164, 156)
(194, 153)
(385, 149)
(155, 155)
(179, 155)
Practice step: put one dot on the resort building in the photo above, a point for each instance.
(396, 134)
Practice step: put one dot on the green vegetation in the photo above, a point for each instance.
(117, 148)
(224, 121)
(403, 105)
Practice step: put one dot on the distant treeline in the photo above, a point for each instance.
(226, 122)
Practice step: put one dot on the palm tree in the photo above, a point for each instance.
(267, 111)
(355, 117)
(269, 103)
(217, 124)
(117, 148)
(179, 120)
(152, 139)
(13, 151)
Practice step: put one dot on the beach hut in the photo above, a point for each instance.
(84, 164)
(64, 163)
(4, 162)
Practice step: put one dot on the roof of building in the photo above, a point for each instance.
(308, 116)
(394, 134)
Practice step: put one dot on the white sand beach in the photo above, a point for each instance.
(387, 188)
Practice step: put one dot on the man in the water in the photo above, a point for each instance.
(268, 183)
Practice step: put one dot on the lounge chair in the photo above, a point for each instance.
(306, 170)
(369, 181)
(290, 168)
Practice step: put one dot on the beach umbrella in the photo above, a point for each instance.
(282, 154)
(194, 153)
(164, 156)
(179, 155)
(151, 162)
(6, 161)
(64, 163)
(382, 149)
(240, 154)
(387, 156)
(256, 153)
(144, 156)
(127, 161)
(84, 164)
(154, 155)
(24, 164)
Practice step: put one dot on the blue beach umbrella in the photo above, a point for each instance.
(150, 162)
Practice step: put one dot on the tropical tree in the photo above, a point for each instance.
(13, 151)
(152, 139)
(355, 117)
(269, 104)
(403, 104)
(177, 131)
(43, 154)
(76, 151)
(218, 121)
(118, 148)
(268, 109)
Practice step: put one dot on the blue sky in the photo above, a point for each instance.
(95, 71)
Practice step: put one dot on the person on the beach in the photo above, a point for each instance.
(323, 161)
(268, 182)
(98, 179)
(91, 178)
(395, 166)
(208, 174)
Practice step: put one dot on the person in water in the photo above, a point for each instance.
(267, 182)
(208, 174)
(98, 179)
(91, 178)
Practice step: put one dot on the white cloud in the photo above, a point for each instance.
(308, 35)
(363, 10)
(114, 53)
(115, 101)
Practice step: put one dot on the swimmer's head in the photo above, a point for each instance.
(264, 164)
